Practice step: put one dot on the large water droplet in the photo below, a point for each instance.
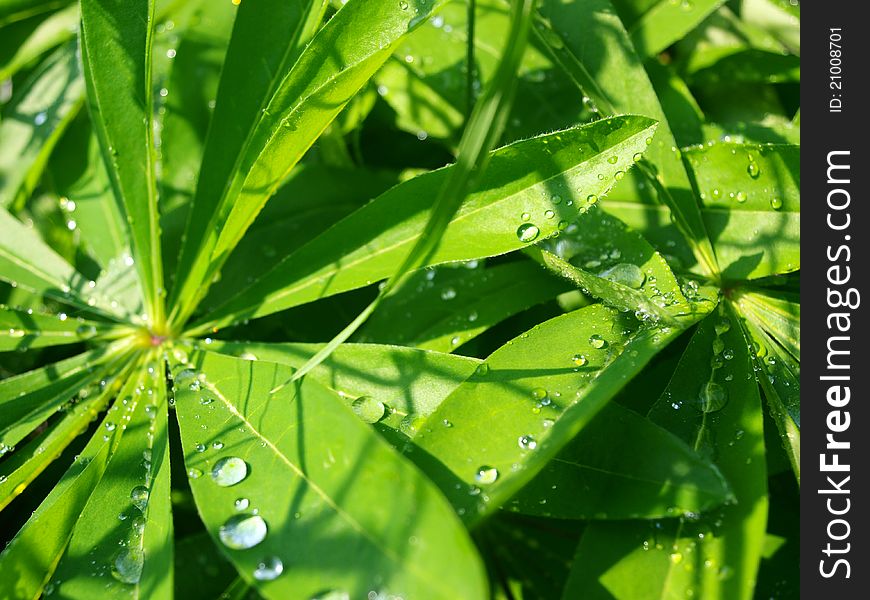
(486, 475)
(243, 531)
(753, 169)
(127, 566)
(268, 569)
(527, 232)
(527, 442)
(713, 397)
(625, 274)
(229, 471)
(368, 409)
(579, 360)
(775, 203)
(139, 497)
(597, 342)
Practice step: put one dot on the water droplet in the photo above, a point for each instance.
(625, 274)
(753, 170)
(243, 531)
(482, 370)
(200, 447)
(579, 360)
(619, 175)
(613, 160)
(740, 196)
(591, 199)
(713, 397)
(448, 293)
(403, 5)
(268, 569)
(527, 232)
(139, 497)
(775, 203)
(637, 157)
(676, 558)
(597, 342)
(527, 442)
(556, 199)
(241, 503)
(723, 325)
(127, 566)
(486, 475)
(229, 471)
(539, 393)
(194, 473)
(549, 214)
(368, 409)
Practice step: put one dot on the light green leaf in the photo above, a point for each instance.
(328, 521)
(667, 22)
(28, 562)
(26, 261)
(34, 121)
(712, 403)
(528, 177)
(495, 432)
(24, 329)
(751, 198)
(779, 314)
(406, 381)
(121, 546)
(609, 261)
(442, 308)
(312, 200)
(567, 29)
(28, 399)
(622, 466)
(116, 53)
(283, 115)
(78, 175)
(40, 36)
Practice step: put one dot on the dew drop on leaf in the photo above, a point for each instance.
(713, 397)
(368, 409)
(527, 442)
(613, 160)
(625, 274)
(241, 503)
(486, 475)
(539, 393)
(527, 232)
(127, 566)
(194, 473)
(753, 170)
(723, 325)
(579, 360)
(775, 203)
(139, 497)
(243, 531)
(597, 342)
(268, 569)
(229, 471)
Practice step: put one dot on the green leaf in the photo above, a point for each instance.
(29, 399)
(116, 53)
(713, 404)
(302, 93)
(25, 329)
(780, 18)
(38, 36)
(525, 177)
(648, 474)
(406, 381)
(779, 314)
(667, 22)
(779, 374)
(495, 432)
(25, 464)
(609, 261)
(78, 176)
(125, 529)
(311, 200)
(205, 571)
(442, 308)
(567, 29)
(29, 560)
(26, 261)
(328, 520)
(751, 197)
(191, 88)
(14, 10)
(34, 121)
